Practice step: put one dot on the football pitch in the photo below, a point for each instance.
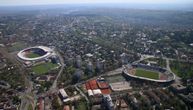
(32, 55)
(146, 73)
(43, 68)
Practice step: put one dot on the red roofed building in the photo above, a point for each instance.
(87, 86)
(99, 86)
(93, 84)
(106, 91)
(103, 84)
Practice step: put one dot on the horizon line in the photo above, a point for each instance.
(100, 3)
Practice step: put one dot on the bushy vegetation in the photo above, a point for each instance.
(11, 75)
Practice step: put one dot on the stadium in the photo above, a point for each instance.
(149, 73)
(35, 53)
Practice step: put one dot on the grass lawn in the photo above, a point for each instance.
(81, 106)
(43, 68)
(32, 55)
(115, 78)
(174, 70)
(147, 74)
(182, 69)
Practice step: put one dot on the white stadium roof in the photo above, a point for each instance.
(46, 49)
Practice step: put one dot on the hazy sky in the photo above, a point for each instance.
(39, 2)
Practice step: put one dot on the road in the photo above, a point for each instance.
(54, 85)
(171, 59)
(143, 57)
(82, 94)
(177, 79)
(114, 72)
(53, 88)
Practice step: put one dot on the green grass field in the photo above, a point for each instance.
(115, 78)
(81, 106)
(43, 68)
(147, 74)
(32, 55)
(182, 69)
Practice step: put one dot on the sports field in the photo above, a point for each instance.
(115, 78)
(32, 55)
(146, 73)
(43, 68)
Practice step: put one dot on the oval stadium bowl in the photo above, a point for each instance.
(35, 53)
(149, 73)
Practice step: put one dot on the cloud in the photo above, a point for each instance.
(34, 2)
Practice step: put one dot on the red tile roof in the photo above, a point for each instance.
(93, 84)
(87, 86)
(106, 91)
(103, 85)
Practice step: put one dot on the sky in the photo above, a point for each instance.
(43, 2)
